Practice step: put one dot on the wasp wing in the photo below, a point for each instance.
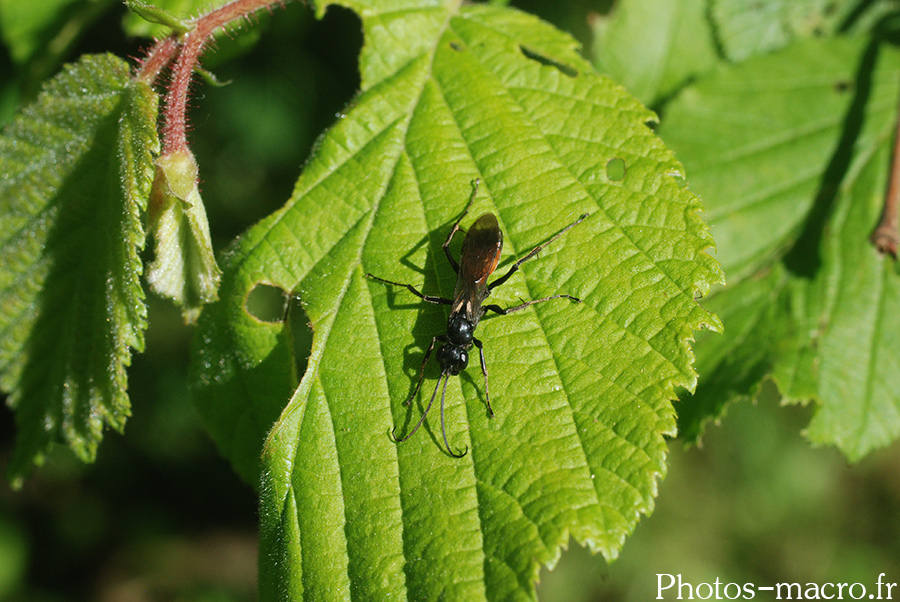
(477, 261)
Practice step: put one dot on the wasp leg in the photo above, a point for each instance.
(414, 290)
(453, 230)
(425, 413)
(532, 253)
(487, 391)
(508, 310)
(422, 368)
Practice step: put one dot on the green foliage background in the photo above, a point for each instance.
(756, 503)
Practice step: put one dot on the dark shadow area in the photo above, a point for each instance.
(252, 137)
(430, 322)
(161, 514)
(547, 61)
(571, 17)
(158, 502)
(804, 258)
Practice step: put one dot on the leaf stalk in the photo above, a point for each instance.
(185, 50)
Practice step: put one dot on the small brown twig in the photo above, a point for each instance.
(887, 234)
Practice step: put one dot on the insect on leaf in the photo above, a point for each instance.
(582, 393)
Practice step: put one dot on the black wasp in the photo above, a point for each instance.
(477, 261)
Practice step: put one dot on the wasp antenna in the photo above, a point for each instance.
(444, 428)
(475, 184)
(425, 413)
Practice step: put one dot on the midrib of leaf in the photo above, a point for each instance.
(582, 192)
(446, 289)
(320, 582)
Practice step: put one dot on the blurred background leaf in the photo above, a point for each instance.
(653, 48)
(790, 151)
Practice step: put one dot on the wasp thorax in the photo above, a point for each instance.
(460, 330)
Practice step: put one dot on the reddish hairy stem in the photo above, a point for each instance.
(887, 234)
(191, 45)
(158, 57)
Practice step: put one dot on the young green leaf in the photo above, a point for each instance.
(582, 393)
(77, 167)
(161, 18)
(157, 16)
(790, 152)
(185, 268)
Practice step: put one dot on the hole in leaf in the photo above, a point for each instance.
(301, 333)
(615, 169)
(548, 62)
(266, 303)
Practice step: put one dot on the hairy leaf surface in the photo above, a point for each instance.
(77, 167)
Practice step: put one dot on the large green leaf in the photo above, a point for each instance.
(850, 313)
(582, 393)
(757, 139)
(77, 168)
(790, 153)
